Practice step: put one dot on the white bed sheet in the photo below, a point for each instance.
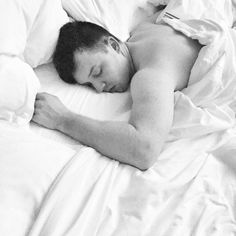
(52, 185)
(28, 166)
(195, 197)
(47, 188)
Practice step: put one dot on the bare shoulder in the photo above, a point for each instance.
(163, 48)
(147, 83)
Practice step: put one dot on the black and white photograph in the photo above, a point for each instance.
(117, 117)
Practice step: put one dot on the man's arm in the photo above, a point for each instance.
(138, 142)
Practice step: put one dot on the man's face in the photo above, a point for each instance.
(105, 71)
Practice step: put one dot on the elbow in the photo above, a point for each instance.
(146, 163)
(147, 155)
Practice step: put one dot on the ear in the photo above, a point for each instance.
(114, 43)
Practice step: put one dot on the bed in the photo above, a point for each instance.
(51, 185)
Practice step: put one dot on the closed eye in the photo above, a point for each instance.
(97, 72)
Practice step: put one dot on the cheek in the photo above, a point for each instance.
(112, 74)
(125, 75)
(116, 73)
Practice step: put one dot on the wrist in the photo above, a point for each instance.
(63, 120)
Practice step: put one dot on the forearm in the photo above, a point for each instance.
(117, 140)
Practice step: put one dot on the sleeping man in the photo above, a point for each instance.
(154, 63)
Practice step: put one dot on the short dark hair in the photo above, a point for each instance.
(77, 35)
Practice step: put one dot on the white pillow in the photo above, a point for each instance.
(28, 34)
(43, 35)
(13, 27)
(118, 17)
(18, 87)
(29, 29)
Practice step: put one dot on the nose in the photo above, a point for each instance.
(99, 86)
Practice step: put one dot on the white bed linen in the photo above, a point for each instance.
(118, 17)
(49, 189)
(28, 166)
(218, 10)
(204, 106)
(60, 188)
(28, 35)
(97, 196)
(18, 88)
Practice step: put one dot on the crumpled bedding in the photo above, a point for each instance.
(51, 189)
(18, 87)
(196, 196)
(61, 188)
(217, 10)
(26, 41)
(204, 105)
(28, 166)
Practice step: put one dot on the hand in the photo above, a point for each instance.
(49, 111)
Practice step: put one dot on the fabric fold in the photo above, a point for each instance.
(204, 105)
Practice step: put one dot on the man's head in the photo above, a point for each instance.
(88, 54)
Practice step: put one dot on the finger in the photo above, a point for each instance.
(38, 104)
(39, 96)
(36, 121)
(43, 95)
(36, 109)
(35, 116)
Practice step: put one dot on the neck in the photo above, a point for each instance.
(125, 51)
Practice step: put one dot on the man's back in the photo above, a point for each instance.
(160, 46)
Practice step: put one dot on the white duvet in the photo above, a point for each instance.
(50, 185)
(188, 192)
(49, 189)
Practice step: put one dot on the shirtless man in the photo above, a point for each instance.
(154, 62)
